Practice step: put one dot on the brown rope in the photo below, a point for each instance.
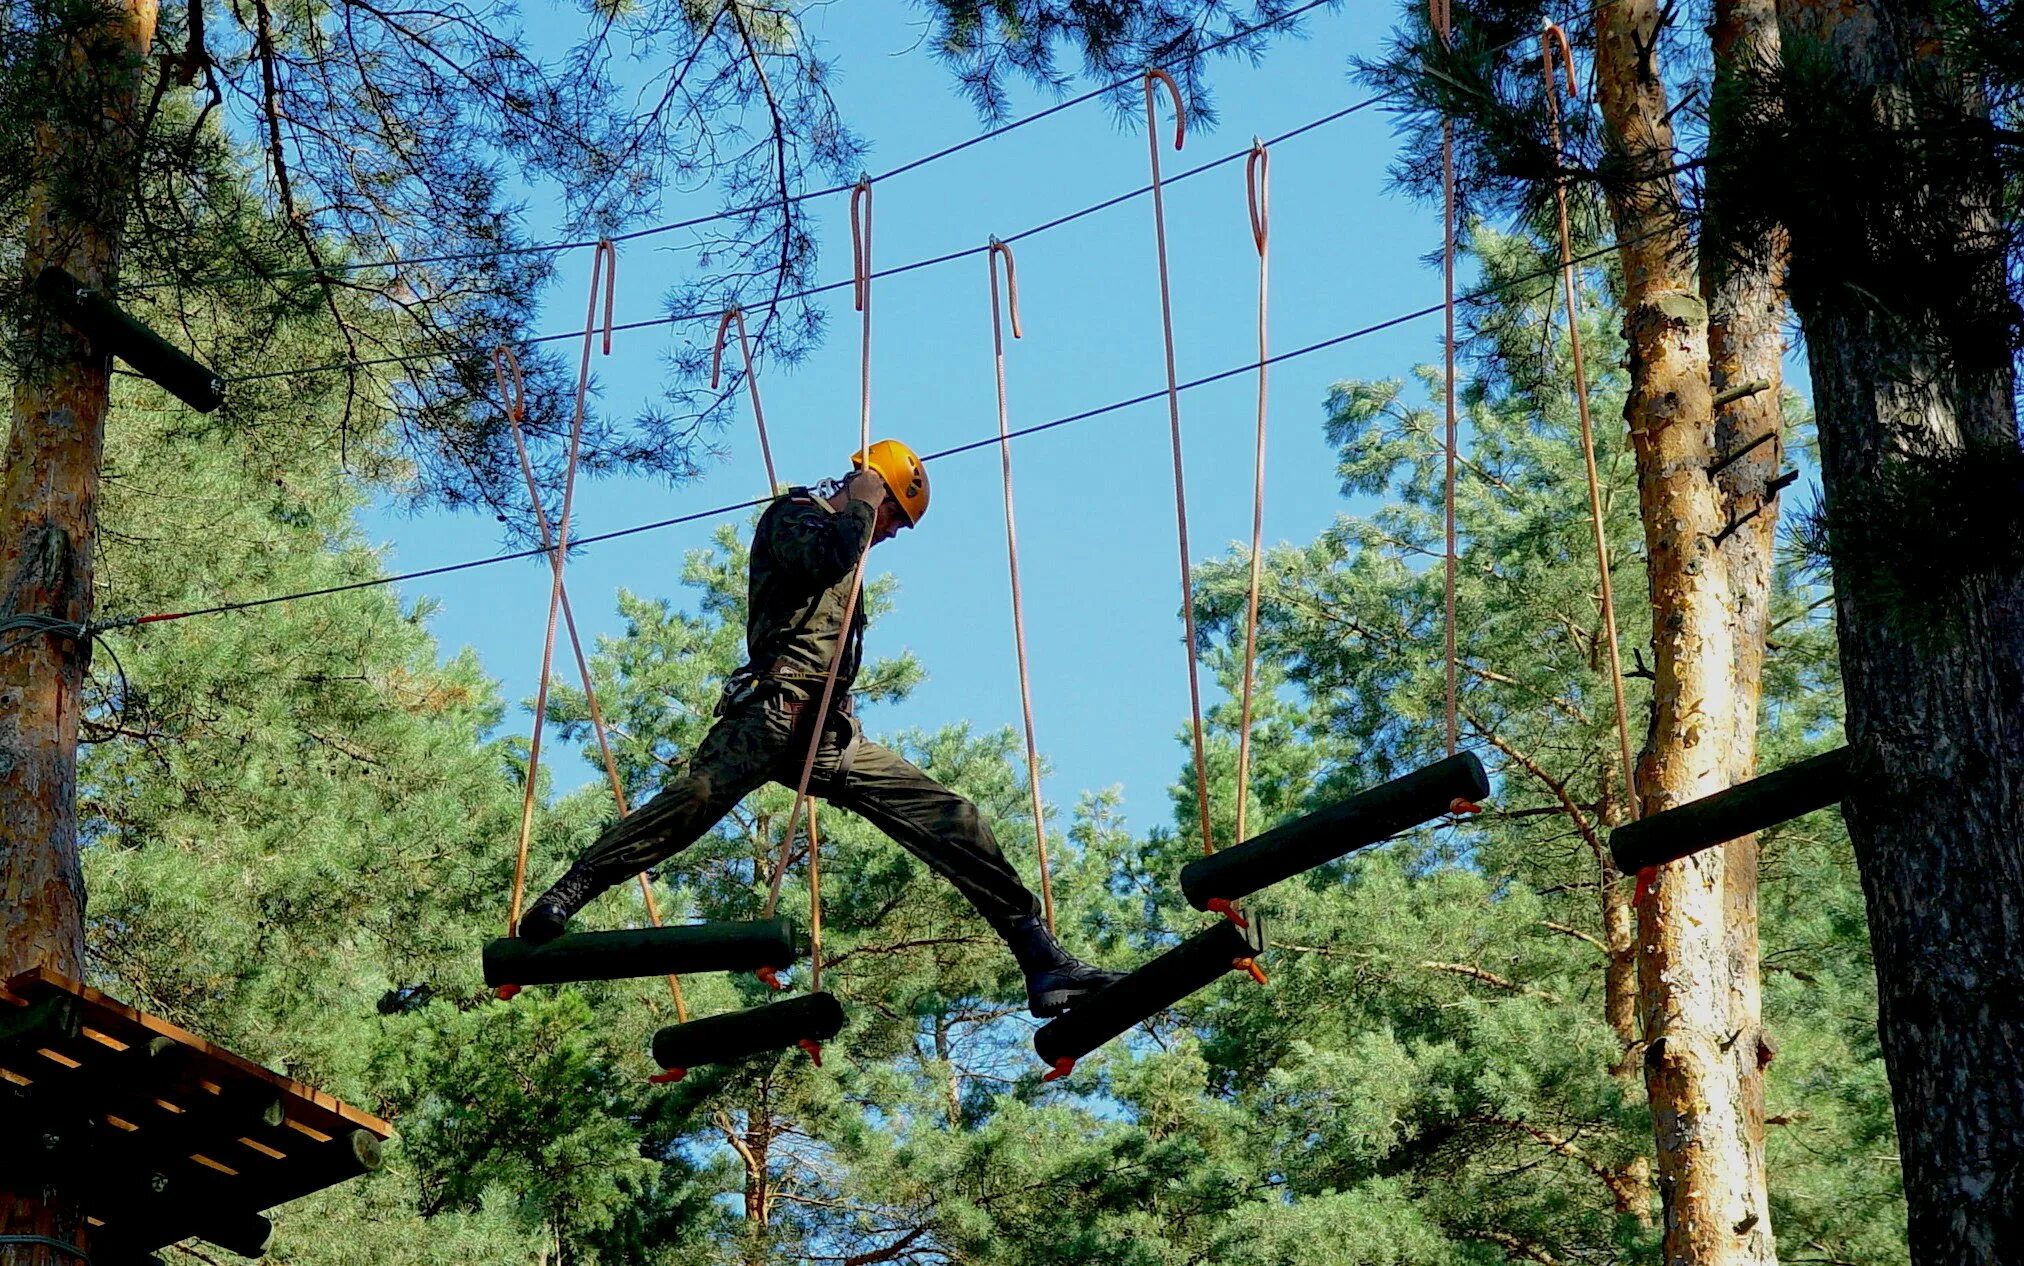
(1174, 420)
(1258, 198)
(506, 369)
(999, 250)
(603, 269)
(751, 386)
(1438, 13)
(1550, 36)
(860, 246)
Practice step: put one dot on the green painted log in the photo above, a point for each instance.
(1747, 807)
(677, 950)
(1323, 836)
(115, 333)
(1194, 964)
(736, 1035)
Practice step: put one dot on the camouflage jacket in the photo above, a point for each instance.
(804, 556)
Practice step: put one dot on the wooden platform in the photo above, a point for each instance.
(161, 1135)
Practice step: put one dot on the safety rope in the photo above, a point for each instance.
(603, 269)
(1549, 37)
(1174, 422)
(997, 251)
(814, 908)
(751, 385)
(1258, 200)
(512, 390)
(860, 249)
(1438, 14)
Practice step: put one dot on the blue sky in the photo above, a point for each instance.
(1095, 504)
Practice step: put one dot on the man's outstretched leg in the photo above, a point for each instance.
(737, 755)
(946, 831)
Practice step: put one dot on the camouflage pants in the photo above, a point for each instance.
(765, 740)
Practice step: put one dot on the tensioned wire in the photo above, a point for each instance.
(714, 512)
(732, 213)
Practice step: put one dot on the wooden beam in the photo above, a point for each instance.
(1194, 964)
(679, 950)
(113, 332)
(1743, 809)
(1321, 837)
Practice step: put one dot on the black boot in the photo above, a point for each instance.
(551, 911)
(1055, 979)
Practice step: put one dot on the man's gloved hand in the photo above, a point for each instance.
(867, 486)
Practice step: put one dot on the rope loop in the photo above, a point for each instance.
(717, 351)
(606, 254)
(1549, 35)
(1257, 192)
(1156, 75)
(1000, 250)
(512, 390)
(860, 242)
(724, 324)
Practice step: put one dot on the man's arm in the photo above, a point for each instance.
(825, 546)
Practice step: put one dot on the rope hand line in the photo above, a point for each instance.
(1551, 37)
(512, 390)
(604, 270)
(993, 254)
(1174, 420)
(1438, 16)
(1258, 199)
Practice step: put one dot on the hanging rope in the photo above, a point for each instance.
(1258, 198)
(512, 389)
(814, 910)
(1174, 420)
(997, 251)
(860, 253)
(603, 269)
(751, 385)
(1551, 37)
(1438, 14)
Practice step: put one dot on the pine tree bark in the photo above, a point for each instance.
(85, 154)
(1743, 284)
(1703, 1161)
(1898, 275)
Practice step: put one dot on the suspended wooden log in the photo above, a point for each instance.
(1192, 965)
(1747, 807)
(805, 1021)
(1446, 786)
(113, 332)
(676, 950)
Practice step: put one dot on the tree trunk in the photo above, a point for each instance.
(1900, 283)
(48, 527)
(1743, 284)
(1703, 1160)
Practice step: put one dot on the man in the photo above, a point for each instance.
(805, 554)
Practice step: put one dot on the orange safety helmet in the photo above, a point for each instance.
(903, 473)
